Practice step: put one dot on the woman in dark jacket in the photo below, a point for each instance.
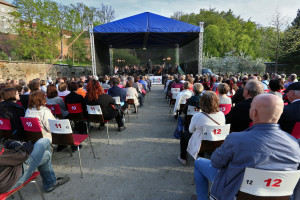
(9, 109)
(96, 96)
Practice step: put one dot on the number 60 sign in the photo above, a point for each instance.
(269, 183)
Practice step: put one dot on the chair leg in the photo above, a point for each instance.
(79, 160)
(92, 146)
(20, 195)
(128, 114)
(71, 154)
(107, 133)
(38, 189)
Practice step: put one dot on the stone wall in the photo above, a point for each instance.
(29, 71)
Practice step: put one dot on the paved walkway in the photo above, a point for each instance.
(140, 163)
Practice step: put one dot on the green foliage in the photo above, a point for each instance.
(125, 57)
(42, 24)
(225, 32)
(3, 55)
(232, 63)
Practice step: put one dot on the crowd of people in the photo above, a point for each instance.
(156, 70)
(19, 158)
(263, 112)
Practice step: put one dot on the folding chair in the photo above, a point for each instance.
(213, 137)
(296, 130)
(261, 184)
(76, 114)
(32, 128)
(5, 128)
(130, 101)
(5, 195)
(181, 106)
(96, 116)
(225, 108)
(56, 111)
(173, 100)
(192, 110)
(62, 134)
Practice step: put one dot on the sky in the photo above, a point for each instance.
(259, 11)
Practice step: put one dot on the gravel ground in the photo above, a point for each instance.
(140, 163)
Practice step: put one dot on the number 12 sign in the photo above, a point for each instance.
(269, 183)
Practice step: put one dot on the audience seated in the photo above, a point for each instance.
(63, 89)
(223, 90)
(96, 96)
(238, 117)
(53, 98)
(193, 101)
(19, 160)
(181, 98)
(73, 97)
(275, 86)
(210, 115)
(37, 109)
(116, 91)
(263, 146)
(291, 112)
(9, 109)
(80, 89)
(34, 85)
(132, 91)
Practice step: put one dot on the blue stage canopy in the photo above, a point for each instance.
(146, 30)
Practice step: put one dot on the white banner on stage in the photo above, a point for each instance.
(156, 79)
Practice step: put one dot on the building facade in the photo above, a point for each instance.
(6, 20)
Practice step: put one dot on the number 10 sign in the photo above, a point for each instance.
(269, 183)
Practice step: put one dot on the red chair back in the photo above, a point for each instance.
(63, 97)
(31, 124)
(19, 103)
(296, 130)
(105, 91)
(32, 128)
(225, 108)
(74, 108)
(55, 109)
(5, 128)
(5, 124)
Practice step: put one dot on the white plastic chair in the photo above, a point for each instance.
(96, 116)
(265, 183)
(62, 134)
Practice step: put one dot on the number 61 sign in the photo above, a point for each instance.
(269, 183)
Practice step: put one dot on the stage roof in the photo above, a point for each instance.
(146, 30)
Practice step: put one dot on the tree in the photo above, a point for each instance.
(291, 42)
(279, 23)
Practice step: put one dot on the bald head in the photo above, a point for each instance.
(266, 108)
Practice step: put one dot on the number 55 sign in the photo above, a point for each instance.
(269, 183)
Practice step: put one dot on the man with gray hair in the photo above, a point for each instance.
(238, 117)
